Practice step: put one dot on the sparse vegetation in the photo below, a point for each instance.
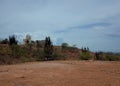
(39, 50)
(85, 54)
(107, 56)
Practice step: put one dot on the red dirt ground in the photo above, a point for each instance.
(61, 73)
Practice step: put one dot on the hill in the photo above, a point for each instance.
(24, 53)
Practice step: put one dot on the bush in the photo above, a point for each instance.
(85, 56)
(5, 41)
(112, 57)
(107, 56)
(15, 51)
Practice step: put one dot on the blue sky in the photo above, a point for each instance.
(92, 23)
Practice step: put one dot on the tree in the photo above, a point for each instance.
(37, 44)
(48, 49)
(13, 46)
(4, 41)
(85, 49)
(88, 49)
(12, 40)
(74, 46)
(64, 45)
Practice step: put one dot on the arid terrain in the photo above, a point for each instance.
(61, 73)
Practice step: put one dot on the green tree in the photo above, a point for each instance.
(64, 45)
(12, 40)
(4, 41)
(48, 49)
(85, 49)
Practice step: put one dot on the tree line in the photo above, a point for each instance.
(47, 47)
(44, 50)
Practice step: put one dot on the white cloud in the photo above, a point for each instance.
(44, 17)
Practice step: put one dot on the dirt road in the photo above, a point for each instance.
(61, 73)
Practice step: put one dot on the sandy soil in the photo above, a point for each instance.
(61, 73)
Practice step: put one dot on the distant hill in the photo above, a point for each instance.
(26, 53)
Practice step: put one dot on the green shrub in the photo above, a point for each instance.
(85, 56)
(107, 56)
(112, 57)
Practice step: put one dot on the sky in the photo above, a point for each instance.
(84, 23)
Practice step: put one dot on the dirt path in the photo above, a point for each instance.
(61, 73)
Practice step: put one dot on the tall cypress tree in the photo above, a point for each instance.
(48, 49)
(12, 40)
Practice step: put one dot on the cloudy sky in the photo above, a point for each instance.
(92, 23)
